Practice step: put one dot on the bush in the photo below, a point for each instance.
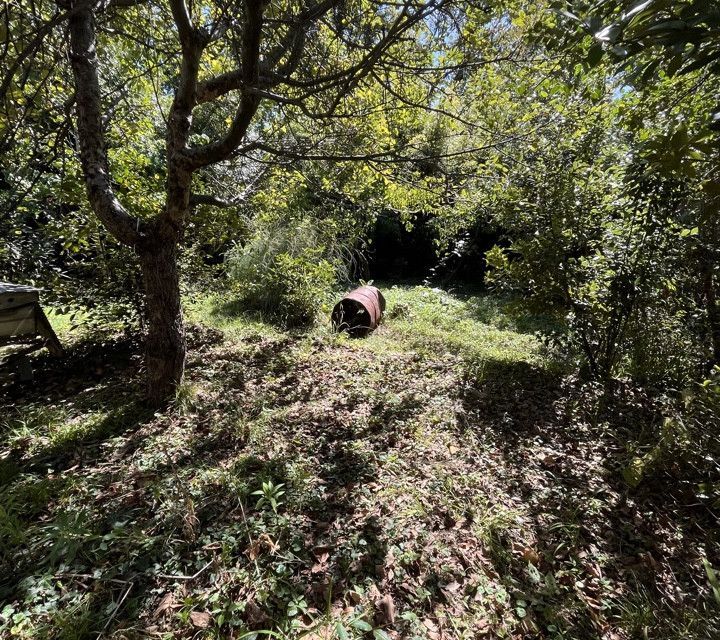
(684, 448)
(284, 271)
(613, 251)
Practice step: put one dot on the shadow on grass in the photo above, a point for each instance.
(100, 531)
(590, 529)
(73, 405)
(166, 506)
(512, 313)
(239, 309)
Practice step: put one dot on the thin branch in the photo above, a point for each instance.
(197, 199)
(115, 611)
(126, 3)
(32, 47)
(223, 203)
(194, 576)
(387, 156)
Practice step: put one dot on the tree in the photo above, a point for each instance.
(645, 36)
(236, 67)
(649, 44)
(602, 201)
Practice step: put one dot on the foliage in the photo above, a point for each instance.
(284, 271)
(681, 448)
(613, 262)
(270, 494)
(52, 241)
(600, 204)
(643, 37)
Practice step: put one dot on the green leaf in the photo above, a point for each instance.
(595, 55)
(360, 625)
(713, 579)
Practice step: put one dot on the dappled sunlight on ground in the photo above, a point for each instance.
(440, 479)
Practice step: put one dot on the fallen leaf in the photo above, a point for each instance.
(254, 615)
(530, 555)
(430, 625)
(386, 609)
(547, 459)
(452, 587)
(166, 604)
(200, 619)
(263, 543)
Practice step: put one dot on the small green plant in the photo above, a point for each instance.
(713, 580)
(270, 494)
(185, 396)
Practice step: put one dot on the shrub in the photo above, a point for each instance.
(684, 447)
(612, 251)
(284, 271)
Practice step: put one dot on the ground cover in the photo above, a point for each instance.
(445, 477)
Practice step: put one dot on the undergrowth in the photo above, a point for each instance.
(444, 478)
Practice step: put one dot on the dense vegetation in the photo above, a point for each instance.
(528, 446)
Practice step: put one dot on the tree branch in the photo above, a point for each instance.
(31, 48)
(126, 3)
(181, 16)
(248, 80)
(93, 151)
(213, 201)
(179, 175)
(233, 80)
(249, 102)
(389, 156)
(223, 203)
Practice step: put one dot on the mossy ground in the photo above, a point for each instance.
(443, 478)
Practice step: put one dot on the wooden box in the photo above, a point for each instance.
(22, 318)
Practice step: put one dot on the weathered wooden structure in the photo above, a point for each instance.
(23, 322)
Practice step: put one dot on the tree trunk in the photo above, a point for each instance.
(711, 305)
(707, 259)
(165, 345)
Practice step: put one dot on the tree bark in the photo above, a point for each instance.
(707, 254)
(155, 241)
(91, 135)
(711, 302)
(165, 343)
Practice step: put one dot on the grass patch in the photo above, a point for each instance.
(228, 316)
(434, 480)
(434, 322)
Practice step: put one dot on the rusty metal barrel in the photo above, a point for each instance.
(360, 311)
